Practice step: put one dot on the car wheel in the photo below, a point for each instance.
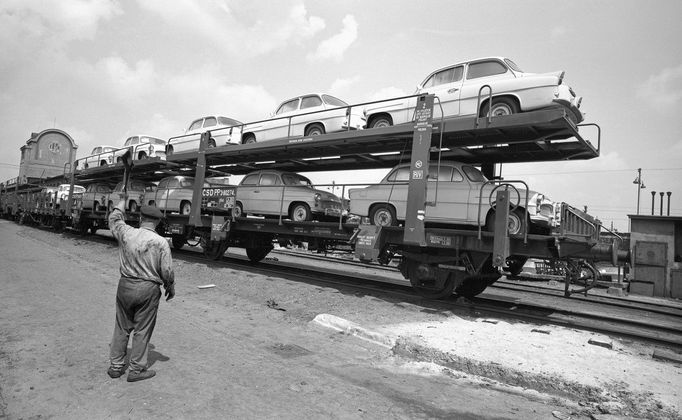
(141, 156)
(119, 160)
(516, 223)
(102, 163)
(169, 150)
(248, 139)
(314, 130)
(300, 212)
(381, 121)
(211, 143)
(238, 210)
(133, 207)
(383, 215)
(501, 106)
(185, 208)
(86, 166)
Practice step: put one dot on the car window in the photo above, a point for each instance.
(310, 102)
(444, 174)
(269, 179)
(152, 140)
(131, 141)
(119, 187)
(453, 74)
(210, 122)
(150, 188)
(195, 125)
(485, 68)
(512, 65)
(251, 179)
(173, 183)
(187, 182)
(96, 150)
(457, 175)
(400, 175)
(163, 183)
(288, 106)
(473, 174)
(296, 179)
(330, 100)
(228, 121)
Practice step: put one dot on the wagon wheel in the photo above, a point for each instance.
(515, 265)
(178, 241)
(258, 254)
(428, 282)
(214, 249)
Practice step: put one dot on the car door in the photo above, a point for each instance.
(310, 103)
(450, 191)
(270, 189)
(278, 126)
(478, 73)
(161, 194)
(446, 85)
(248, 193)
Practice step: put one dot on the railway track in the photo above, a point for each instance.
(640, 322)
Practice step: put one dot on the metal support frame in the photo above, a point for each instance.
(419, 172)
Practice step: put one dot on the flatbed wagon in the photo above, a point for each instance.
(436, 259)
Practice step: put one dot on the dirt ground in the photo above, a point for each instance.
(250, 348)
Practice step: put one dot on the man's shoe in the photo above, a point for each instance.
(114, 372)
(140, 376)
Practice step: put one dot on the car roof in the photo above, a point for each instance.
(466, 62)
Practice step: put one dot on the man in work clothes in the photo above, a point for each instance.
(146, 264)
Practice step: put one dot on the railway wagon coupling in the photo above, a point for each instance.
(437, 259)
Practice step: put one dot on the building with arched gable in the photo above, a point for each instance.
(47, 154)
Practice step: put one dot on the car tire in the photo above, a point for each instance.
(381, 121)
(516, 223)
(501, 106)
(169, 150)
(185, 208)
(314, 130)
(103, 163)
(248, 139)
(238, 210)
(383, 215)
(211, 143)
(300, 212)
(132, 207)
(142, 155)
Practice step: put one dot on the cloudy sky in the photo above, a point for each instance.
(102, 70)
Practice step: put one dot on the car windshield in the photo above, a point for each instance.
(152, 140)
(296, 179)
(228, 121)
(330, 100)
(473, 174)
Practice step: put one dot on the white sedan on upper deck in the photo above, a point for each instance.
(305, 115)
(457, 87)
(221, 129)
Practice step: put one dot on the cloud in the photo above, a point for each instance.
(333, 48)
(218, 24)
(64, 20)
(387, 93)
(662, 90)
(341, 86)
(558, 32)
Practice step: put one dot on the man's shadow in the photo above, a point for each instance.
(155, 356)
(152, 357)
